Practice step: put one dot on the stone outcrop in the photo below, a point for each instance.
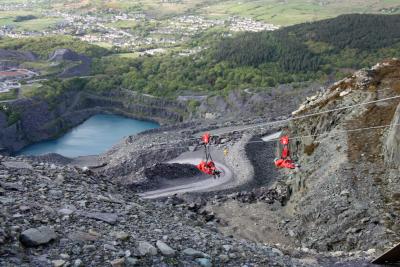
(17, 56)
(345, 194)
(272, 103)
(64, 54)
(392, 145)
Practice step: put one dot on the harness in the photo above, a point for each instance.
(208, 166)
(285, 160)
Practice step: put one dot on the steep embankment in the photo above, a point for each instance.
(251, 103)
(83, 68)
(346, 195)
(36, 120)
(15, 56)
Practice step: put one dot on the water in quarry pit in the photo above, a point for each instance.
(93, 137)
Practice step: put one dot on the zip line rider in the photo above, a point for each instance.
(208, 166)
(285, 161)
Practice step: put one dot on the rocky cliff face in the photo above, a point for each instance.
(273, 103)
(392, 145)
(13, 58)
(68, 55)
(38, 121)
(346, 192)
(18, 56)
(65, 54)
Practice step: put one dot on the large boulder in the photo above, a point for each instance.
(165, 249)
(64, 54)
(145, 248)
(34, 237)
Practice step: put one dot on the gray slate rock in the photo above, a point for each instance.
(120, 262)
(110, 218)
(145, 248)
(58, 263)
(130, 261)
(11, 186)
(37, 236)
(194, 253)
(165, 249)
(17, 165)
(78, 263)
(227, 248)
(204, 262)
(67, 210)
(6, 200)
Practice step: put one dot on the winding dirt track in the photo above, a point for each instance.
(185, 185)
(204, 183)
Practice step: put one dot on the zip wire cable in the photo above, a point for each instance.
(294, 118)
(299, 137)
(320, 113)
(334, 132)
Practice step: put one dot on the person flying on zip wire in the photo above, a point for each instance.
(285, 161)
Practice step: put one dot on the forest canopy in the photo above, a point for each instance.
(44, 46)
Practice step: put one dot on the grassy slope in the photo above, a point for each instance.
(8, 95)
(296, 11)
(282, 12)
(41, 23)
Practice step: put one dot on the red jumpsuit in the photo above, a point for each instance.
(207, 167)
(206, 138)
(285, 161)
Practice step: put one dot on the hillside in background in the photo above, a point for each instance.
(310, 46)
(153, 27)
(281, 12)
(318, 51)
(284, 12)
(305, 52)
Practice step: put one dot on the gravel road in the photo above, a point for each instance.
(231, 172)
(185, 185)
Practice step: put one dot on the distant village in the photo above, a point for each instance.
(102, 29)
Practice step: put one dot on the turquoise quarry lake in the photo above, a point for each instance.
(93, 137)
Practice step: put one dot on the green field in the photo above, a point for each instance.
(152, 7)
(38, 24)
(288, 12)
(126, 55)
(281, 12)
(49, 68)
(9, 95)
(28, 90)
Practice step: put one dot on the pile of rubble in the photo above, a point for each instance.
(62, 216)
